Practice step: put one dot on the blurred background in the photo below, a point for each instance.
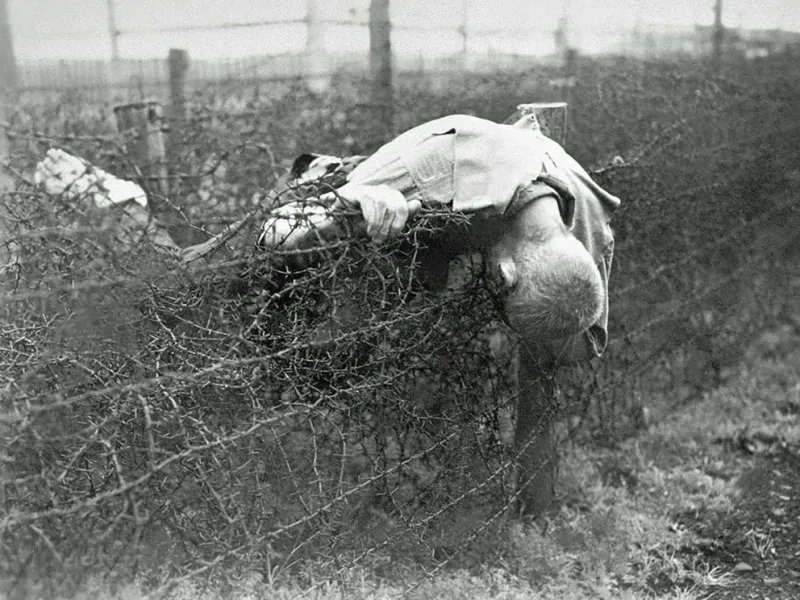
(101, 44)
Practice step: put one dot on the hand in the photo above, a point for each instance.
(384, 209)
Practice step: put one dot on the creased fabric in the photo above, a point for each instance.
(477, 166)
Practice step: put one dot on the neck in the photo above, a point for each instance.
(540, 219)
(538, 223)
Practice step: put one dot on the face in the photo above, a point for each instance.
(537, 222)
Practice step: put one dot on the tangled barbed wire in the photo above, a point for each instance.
(318, 404)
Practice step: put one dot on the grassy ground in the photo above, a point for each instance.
(704, 504)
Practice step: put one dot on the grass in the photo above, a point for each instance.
(633, 523)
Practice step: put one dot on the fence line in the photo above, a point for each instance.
(100, 75)
(482, 49)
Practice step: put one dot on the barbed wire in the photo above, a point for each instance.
(77, 230)
(692, 255)
(242, 407)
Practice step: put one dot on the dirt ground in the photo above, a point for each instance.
(758, 539)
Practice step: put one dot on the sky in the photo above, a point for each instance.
(77, 29)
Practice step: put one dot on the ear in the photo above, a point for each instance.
(508, 272)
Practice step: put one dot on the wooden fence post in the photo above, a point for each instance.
(142, 127)
(316, 60)
(464, 34)
(178, 66)
(8, 84)
(380, 62)
(570, 73)
(717, 37)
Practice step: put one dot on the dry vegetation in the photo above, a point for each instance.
(210, 433)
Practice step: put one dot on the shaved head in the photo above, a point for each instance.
(553, 289)
(558, 290)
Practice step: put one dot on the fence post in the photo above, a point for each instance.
(570, 73)
(178, 66)
(463, 32)
(141, 126)
(316, 67)
(717, 38)
(113, 31)
(380, 62)
(8, 84)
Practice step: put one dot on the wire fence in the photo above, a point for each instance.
(101, 80)
(474, 50)
(318, 408)
(306, 45)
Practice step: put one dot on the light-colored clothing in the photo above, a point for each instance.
(476, 166)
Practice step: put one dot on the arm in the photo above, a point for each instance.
(385, 210)
(378, 188)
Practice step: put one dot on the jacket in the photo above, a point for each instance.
(476, 166)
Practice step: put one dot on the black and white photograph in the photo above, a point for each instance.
(383, 299)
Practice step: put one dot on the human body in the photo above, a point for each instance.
(537, 217)
(542, 225)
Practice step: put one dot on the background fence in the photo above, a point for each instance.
(316, 39)
(103, 80)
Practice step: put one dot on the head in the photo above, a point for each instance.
(552, 288)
